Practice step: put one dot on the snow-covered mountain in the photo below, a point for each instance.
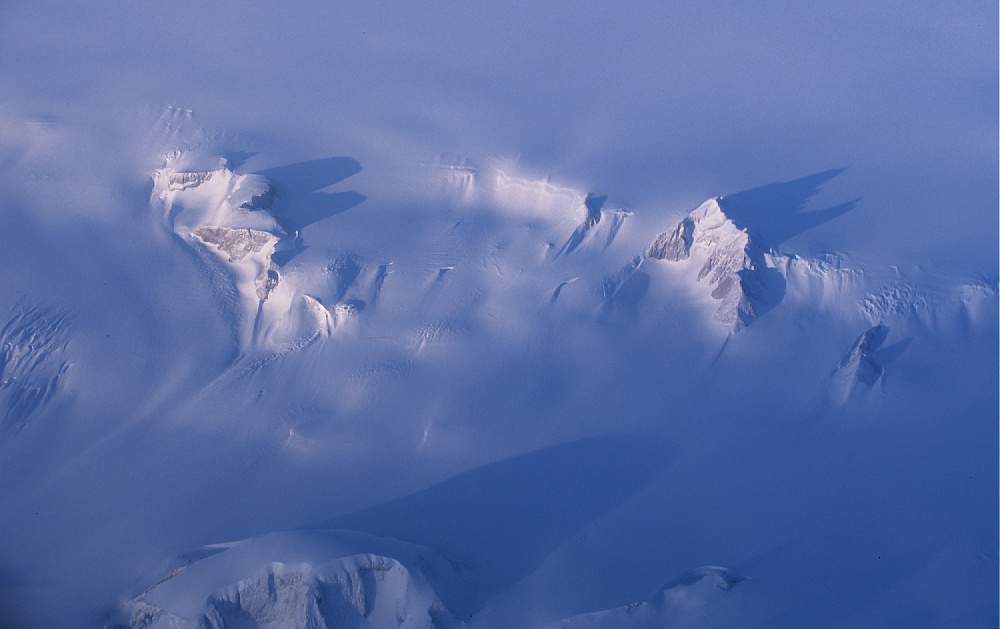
(733, 265)
(418, 316)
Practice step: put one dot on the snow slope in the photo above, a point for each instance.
(498, 317)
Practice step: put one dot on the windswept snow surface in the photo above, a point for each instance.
(521, 315)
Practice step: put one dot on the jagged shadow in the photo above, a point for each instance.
(632, 291)
(236, 159)
(593, 203)
(776, 212)
(768, 286)
(281, 258)
(502, 520)
(889, 353)
(301, 188)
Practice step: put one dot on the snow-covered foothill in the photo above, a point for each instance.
(684, 602)
(33, 363)
(295, 580)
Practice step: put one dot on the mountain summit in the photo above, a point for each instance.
(739, 271)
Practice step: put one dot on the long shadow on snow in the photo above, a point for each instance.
(301, 186)
(772, 214)
(502, 520)
(776, 212)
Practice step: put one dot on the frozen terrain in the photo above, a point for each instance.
(437, 315)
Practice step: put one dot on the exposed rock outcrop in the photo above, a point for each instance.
(858, 366)
(237, 243)
(732, 263)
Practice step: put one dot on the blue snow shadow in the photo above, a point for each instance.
(502, 520)
(888, 354)
(236, 159)
(301, 190)
(776, 212)
(281, 258)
